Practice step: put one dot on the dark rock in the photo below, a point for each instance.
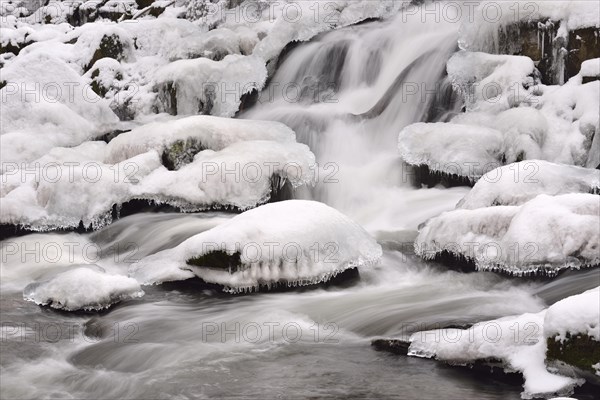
(181, 153)
(110, 46)
(580, 351)
(217, 259)
(395, 346)
(422, 175)
(583, 44)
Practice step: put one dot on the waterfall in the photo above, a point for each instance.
(347, 94)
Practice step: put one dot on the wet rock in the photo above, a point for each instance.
(422, 175)
(583, 44)
(557, 58)
(395, 346)
(217, 259)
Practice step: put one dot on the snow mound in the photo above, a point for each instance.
(294, 242)
(212, 133)
(517, 183)
(82, 289)
(491, 82)
(45, 104)
(544, 235)
(453, 149)
(575, 315)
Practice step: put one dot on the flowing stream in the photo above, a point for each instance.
(178, 341)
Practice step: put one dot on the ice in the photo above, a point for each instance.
(509, 117)
(544, 235)
(481, 32)
(491, 82)
(459, 149)
(83, 288)
(517, 183)
(575, 315)
(294, 242)
(214, 87)
(518, 341)
(46, 104)
(236, 165)
(212, 132)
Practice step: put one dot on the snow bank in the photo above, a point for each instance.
(544, 235)
(82, 289)
(517, 183)
(519, 342)
(294, 242)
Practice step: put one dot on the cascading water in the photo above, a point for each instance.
(351, 92)
(347, 94)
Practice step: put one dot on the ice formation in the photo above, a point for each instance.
(82, 288)
(519, 342)
(517, 118)
(543, 235)
(517, 183)
(294, 242)
(234, 164)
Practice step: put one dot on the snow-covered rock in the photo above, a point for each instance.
(215, 162)
(519, 342)
(517, 118)
(82, 288)
(294, 242)
(517, 183)
(543, 235)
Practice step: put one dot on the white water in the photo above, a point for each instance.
(362, 174)
(164, 345)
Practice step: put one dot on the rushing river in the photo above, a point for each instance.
(182, 341)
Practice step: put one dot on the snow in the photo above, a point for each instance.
(294, 242)
(543, 235)
(517, 183)
(481, 31)
(509, 117)
(236, 167)
(46, 104)
(518, 341)
(491, 82)
(459, 149)
(591, 68)
(574, 315)
(212, 132)
(83, 288)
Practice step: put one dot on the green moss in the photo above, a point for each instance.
(580, 351)
(217, 259)
(181, 153)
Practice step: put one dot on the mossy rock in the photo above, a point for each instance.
(110, 46)
(181, 153)
(217, 259)
(579, 351)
